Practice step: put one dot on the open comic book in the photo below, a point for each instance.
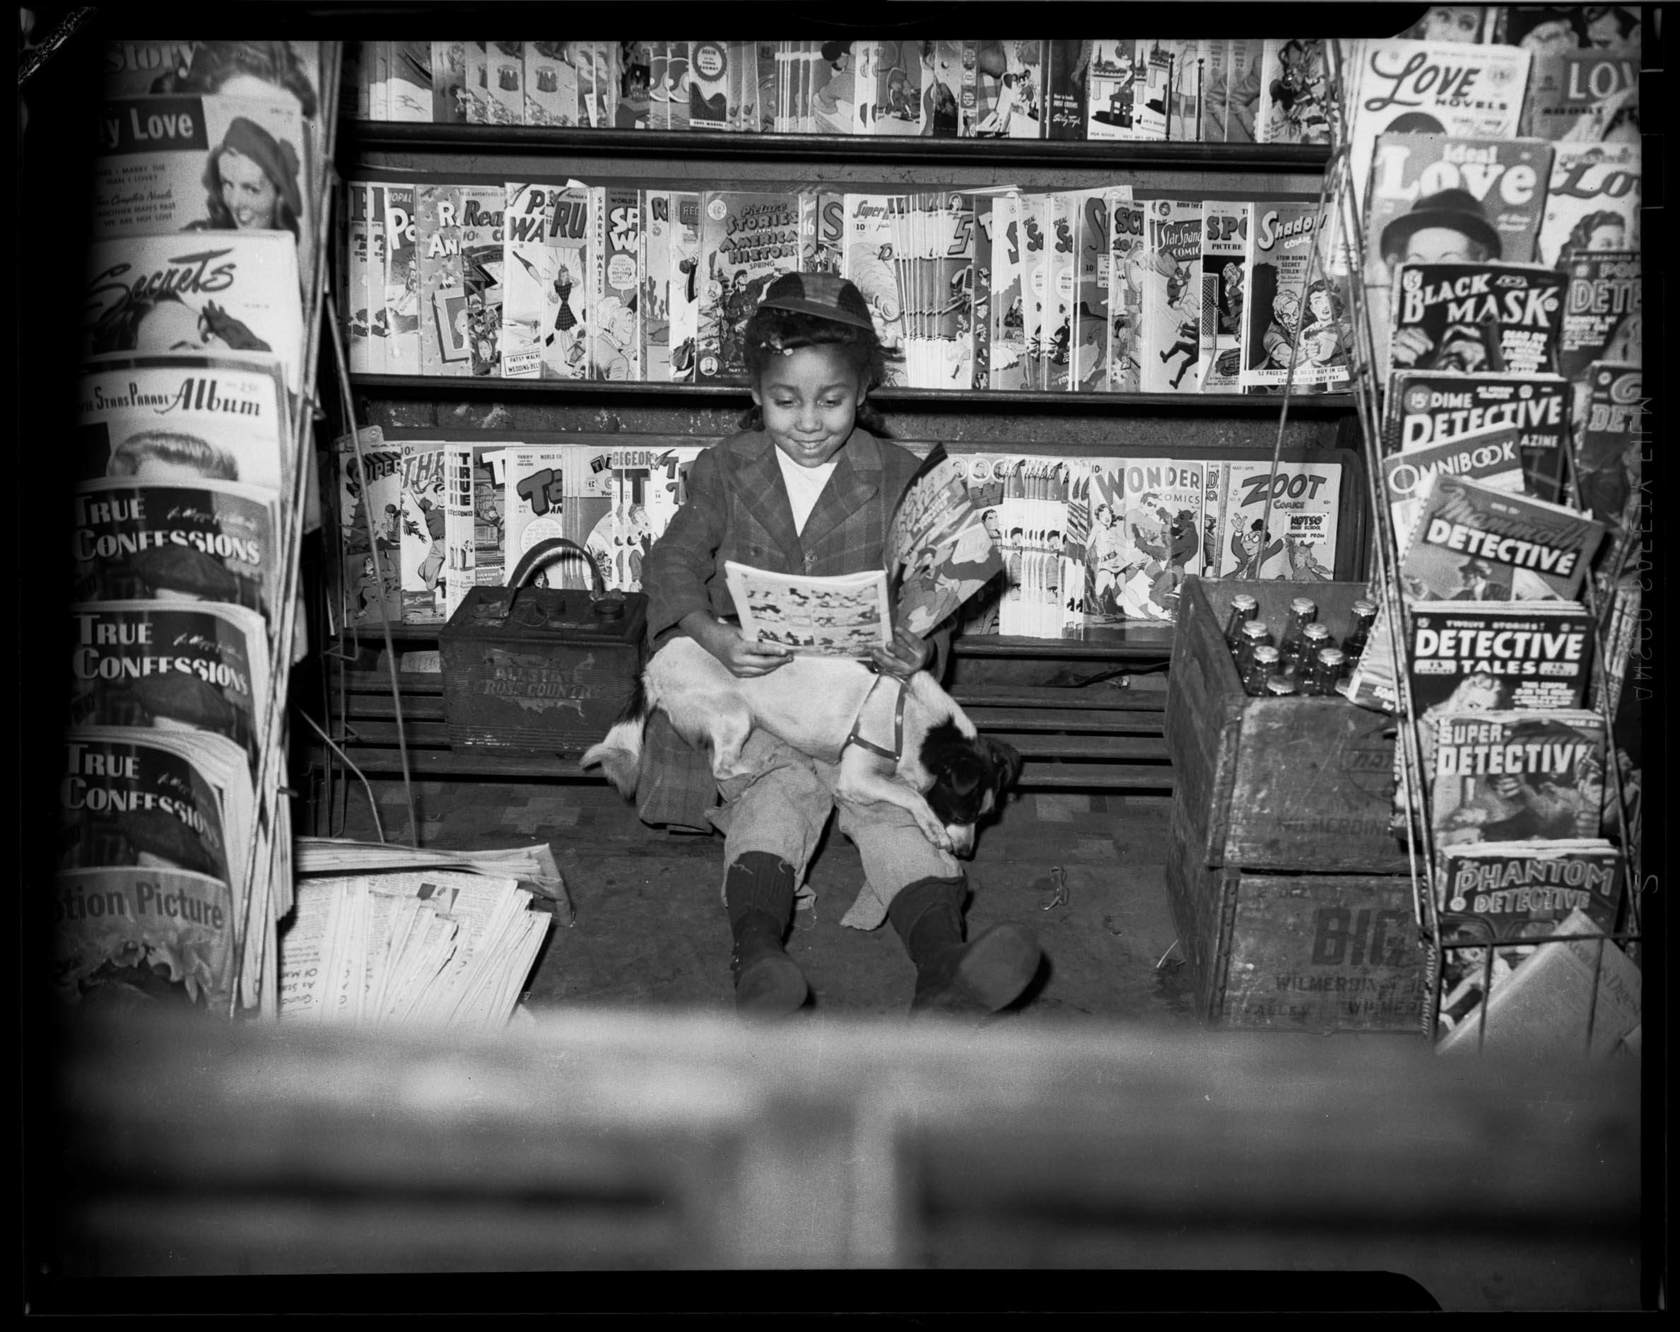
(939, 553)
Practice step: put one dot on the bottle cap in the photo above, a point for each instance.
(1254, 629)
(1303, 606)
(1265, 653)
(1279, 685)
(1363, 607)
(1242, 601)
(1315, 630)
(1331, 657)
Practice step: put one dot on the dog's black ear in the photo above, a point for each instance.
(1006, 762)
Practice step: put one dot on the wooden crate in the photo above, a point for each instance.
(1292, 783)
(1295, 952)
(550, 677)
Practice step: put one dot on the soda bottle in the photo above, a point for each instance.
(1262, 668)
(1243, 609)
(1302, 612)
(1314, 639)
(1364, 616)
(1254, 634)
(1328, 671)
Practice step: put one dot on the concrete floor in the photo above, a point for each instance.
(651, 931)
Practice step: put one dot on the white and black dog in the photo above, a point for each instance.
(906, 742)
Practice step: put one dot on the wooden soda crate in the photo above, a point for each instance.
(1282, 951)
(1275, 783)
(530, 669)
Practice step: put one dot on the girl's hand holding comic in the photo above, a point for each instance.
(904, 656)
(742, 656)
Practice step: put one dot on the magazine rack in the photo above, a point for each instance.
(1440, 931)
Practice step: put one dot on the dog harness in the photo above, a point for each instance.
(855, 738)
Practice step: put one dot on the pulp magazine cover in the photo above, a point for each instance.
(1592, 202)
(1578, 95)
(445, 343)
(1491, 458)
(1224, 285)
(1603, 312)
(424, 558)
(205, 164)
(867, 261)
(1608, 451)
(1429, 411)
(1512, 886)
(159, 67)
(402, 282)
(747, 241)
(1517, 776)
(198, 667)
(1032, 514)
(1007, 355)
(1297, 542)
(939, 554)
(1110, 80)
(370, 489)
(1295, 92)
(1468, 318)
(1464, 91)
(220, 291)
(171, 417)
(134, 540)
(1171, 280)
(1287, 319)
(1475, 543)
(1128, 255)
(482, 254)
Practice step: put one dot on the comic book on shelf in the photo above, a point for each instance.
(889, 87)
(662, 283)
(1055, 213)
(933, 245)
(980, 330)
(205, 164)
(1169, 340)
(1066, 61)
(450, 96)
(234, 291)
(1475, 543)
(373, 278)
(1298, 541)
(370, 495)
(551, 86)
(939, 551)
(1149, 98)
(476, 62)
(1215, 54)
(1007, 354)
(1089, 331)
(1464, 91)
(1224, 285)
(616, 276)
(1468, 318)
(136, 539)
(1516, 776)
(549, 491)
(489, 498)
(747, 240)
(1603, 312)
(1111, 89)
(402, 282)
(196, 666)
(445, 347)
(1582, 96)
(505, 71)
(1161, 514)
(949, 91)
(553, 241)
(1009, 89)
(1034, 228)
(1128, 256)
(482, 256)
(1609, 446)
(422, 553)
(1592, 202)
(1242, 89)
(709, 64)
(647, 485)
(1296, 327)
(1427, 411)
(1186, 78)
(866, 261)
(358, 320)
(1032, 519)
(459, 527)
(1295, 93)
(409, 92)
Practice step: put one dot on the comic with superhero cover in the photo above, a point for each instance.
(1066, 61)
(616, 275)
(1128, 257)
(482, 255)
(1298, 542)
(1425, 410)
(1111, 89)
(1469, 318)
(1525, 888)
(1473, 542)
(889, 87)
(938, 250)
(1035, 229)
(551, 86)
(489, 497)
(230, 291)
(1592, 203)
(1009, 89)
(1008, 352)
(948, 91)
(1296, 327)
(747, 241)
(1224, 285)
(1582, 96)
(409, 92)
(198, 667)
(1516, 776)
(1161, 520)
(206, 164)
(402, 282)
(1170, 340)
(1609, 446)
(445, 347)
(1603, 312)
(1056, 215)
(1089, 331)
(209, 539)
(424, 559)
(708, 86)
(1463, 91)
(867, 261)
(370, 493)
(449, 83)
(980, 331)
(1295, 93)
(505, 69)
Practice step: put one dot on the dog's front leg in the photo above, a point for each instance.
(861, 780)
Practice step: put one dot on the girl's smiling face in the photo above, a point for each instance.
(809, 400)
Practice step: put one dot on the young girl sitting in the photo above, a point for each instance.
(806, 488)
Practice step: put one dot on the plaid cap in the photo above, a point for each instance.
(820, 294)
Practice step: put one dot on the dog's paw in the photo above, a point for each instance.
(935, 832)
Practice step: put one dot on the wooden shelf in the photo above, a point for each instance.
(497, 141)
(484, 387)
